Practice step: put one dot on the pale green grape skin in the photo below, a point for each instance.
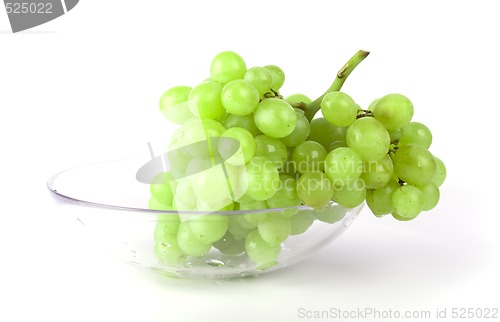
(247, 145)
(160, 188)
(196, 130)
(395, 134)
(298, 110)
(350, 195)
(230, 246)
(240, 97)
(189, 243)
(416, 133)
(331, 214)
(156, 204)
(275, 229)
(205, 102)
(166, 227)
(376, 174)
(314, 189)
(297, 99)
(372, 104)
(227, 66)
(209, 228)
(431, 195)
(174, 104)
(261, 78)
(254, 217)
(239, 227)
(400, 218)
(440, 174)
(309, 156)
(211, 185)
(300, 222)
(184, 194)
(408, 201)
(277, 75)
(369, 138)
(286, 196)
(300, 133)
(343, 165)
(393, 111)
(261, 252)
(224, 205)
(414, 164)
(247, 122)
(261, 178)
(339, 108)
(275, 117)
(169, 252)
(325, 133)
(336, 145)
(271, 148)
(380, 200)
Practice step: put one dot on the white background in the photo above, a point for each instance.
(85, 87)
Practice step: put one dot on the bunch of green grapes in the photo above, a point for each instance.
(241, 145)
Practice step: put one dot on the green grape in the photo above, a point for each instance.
(297, 99)
(179, 205)
(376, 174)
(416, 133)
(246, 149)
(156, 204)
(275, 117)
(414, 164)
(261, 178)
(205, 102)
(247, 122)
(227, 66)
(239, 227)
(309, 156)
(398, 217)
(230, 246)
(254, 217)
(330, 214)
(189, 243)
(395, 134)
(300, 222)
(298, 110)
(314, 189)
(431, 195)
(196, 130)
(240, 97)
(380, 200)
(372, 104)
(261, 252)
(393, 111)
(174, 104)
(336, 145)
(368, 138)
(167, 225)
(440, 174)
(275, 229)
(211, 185)
(299, 133)
(343, 166)
(209, 228)
(408, 201)
(271, 148)
(183, 194)
(160, 188)
(169, 252)
(339, 108)
(325, 133)
(261, 78)
(224, 205)
(278, 76)
(286, 196)
(351, 195)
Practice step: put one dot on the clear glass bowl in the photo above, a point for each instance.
(112, 206)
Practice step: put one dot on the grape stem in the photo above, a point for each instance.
(342, 75)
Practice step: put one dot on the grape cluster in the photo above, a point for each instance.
(240, 145)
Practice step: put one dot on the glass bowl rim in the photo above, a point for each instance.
(75, 201)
